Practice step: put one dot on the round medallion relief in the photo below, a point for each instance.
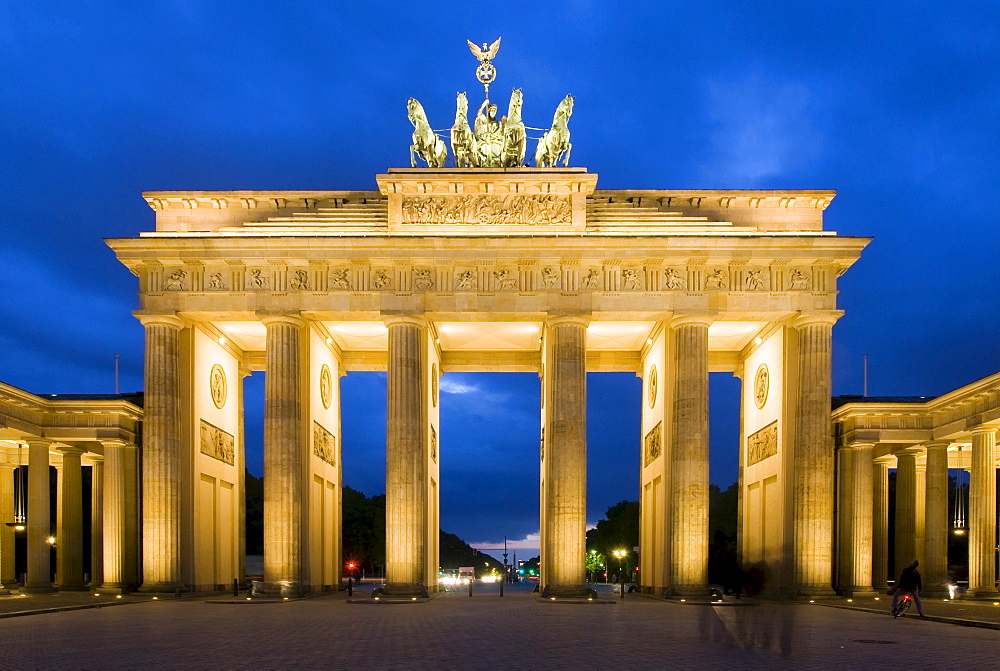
(217, 385)
(434, 384)
(325, 386)
(761, 383)
(651, 392)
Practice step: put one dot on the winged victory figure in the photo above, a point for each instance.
(484, 53)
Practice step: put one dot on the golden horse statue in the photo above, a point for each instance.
(426, 144)
(463, 142)
(514, 138)
(554, 143)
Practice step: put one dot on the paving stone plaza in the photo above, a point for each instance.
(486, 631)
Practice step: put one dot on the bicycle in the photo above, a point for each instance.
(903, 605)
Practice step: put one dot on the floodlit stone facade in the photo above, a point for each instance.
(521, 269)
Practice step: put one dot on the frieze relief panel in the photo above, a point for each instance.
(653, 445)
(217, 443)
(762, 444)
(488, 210)
(324, 444)
(489, 278)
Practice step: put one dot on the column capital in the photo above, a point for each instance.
(983, 429)
(412, 320)
(860, 444)
(559, 320)
(69, 449)
(937, 443)
(290, 318)
(690, 319)
(807, 318)
(914, 451)
(160, 320)
(31, 442)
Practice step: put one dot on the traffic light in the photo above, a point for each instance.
(350, 566)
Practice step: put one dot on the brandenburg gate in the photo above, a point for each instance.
(486, 266)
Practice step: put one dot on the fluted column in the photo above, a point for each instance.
(161, 446)
(8, 575)
(565, 507)
(860, 522)
(130, 554)
(813, 460)
(113, 503)
(405, 489)
(935, 564)
(69, 525)
(284, 451)
(689, 458)
(39, 526)
(880, 525)
(906, 510)
(982, 514)
(96, 521)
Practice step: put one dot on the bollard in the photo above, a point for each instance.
(501, 587)
(236, 586)
(470, 586)
(623, 590)
(350, 587)
(177, 592)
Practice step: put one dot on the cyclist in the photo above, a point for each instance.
(909, 583)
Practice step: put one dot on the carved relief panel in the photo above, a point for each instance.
(324, 444)
(652, 445)
(762, 444)
(217, 443)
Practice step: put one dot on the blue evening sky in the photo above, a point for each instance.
(895, 105)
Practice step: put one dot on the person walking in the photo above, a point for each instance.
(909, 583)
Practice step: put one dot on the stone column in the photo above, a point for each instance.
(405, 493)
(39, 525)
(130, 545)
(880, 525)
(860, 522)
(8, 577)
(565, 512)
(906, 510)
(689, 458)
(934, 568)
(69, 526)
(113, 503)
(96, 522)
(284, 451)
(982, 514)
(813, 460)
(161, 446)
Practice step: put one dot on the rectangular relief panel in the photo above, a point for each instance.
(217, 443)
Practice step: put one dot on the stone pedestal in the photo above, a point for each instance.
(285, 447)
(161, 474)
(96, 522)
(813, 460)
(39, 527)
(69, 533)
(982, 515)
(689, 459)
(405, 489)
(565, 503)
(934, 567)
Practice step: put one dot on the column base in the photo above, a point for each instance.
(153, 587)
(567, 592)
(981, 595)
(400, 590)
(860, 593)
(685, 591)
(37, 589)
(283, 588)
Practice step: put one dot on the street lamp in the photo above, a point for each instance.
(621, 555)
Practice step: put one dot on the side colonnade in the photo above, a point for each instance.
(922, 439)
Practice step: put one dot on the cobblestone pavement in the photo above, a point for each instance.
(15, 604)
(486, 631)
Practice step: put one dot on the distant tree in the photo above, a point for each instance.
(723, 567)
(531, 565)
(254, 514)
(363, 529)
